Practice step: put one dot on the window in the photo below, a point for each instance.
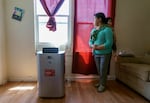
(44, 37)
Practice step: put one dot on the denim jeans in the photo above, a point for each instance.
(102, 64)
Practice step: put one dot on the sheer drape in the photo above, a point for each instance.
(51, 7)
(83, 61)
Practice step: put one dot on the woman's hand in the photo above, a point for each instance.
(97, 47)
(94, 47)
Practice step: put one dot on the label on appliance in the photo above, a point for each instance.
(49, 72)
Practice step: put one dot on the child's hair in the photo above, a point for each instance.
(107, 19)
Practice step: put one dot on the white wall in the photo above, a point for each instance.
(20, 42)
(132, 25)
(3, 74)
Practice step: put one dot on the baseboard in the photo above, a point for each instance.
(3, 82)
(24, 79)
(73, 77)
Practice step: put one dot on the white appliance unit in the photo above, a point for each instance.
(51, 65)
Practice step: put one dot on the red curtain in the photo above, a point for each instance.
(83, 61)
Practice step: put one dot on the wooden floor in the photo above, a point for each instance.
(80, 91)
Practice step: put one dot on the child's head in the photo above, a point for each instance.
(109, 21)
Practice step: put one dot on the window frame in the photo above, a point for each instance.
(68, 45)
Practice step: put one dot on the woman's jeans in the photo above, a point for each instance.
(102, 64)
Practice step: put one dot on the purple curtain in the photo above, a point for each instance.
(51, 7)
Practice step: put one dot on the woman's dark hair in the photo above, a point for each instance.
(101, 15)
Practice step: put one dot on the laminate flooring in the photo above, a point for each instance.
(78, 91)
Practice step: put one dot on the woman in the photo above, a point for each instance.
(101, 41)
